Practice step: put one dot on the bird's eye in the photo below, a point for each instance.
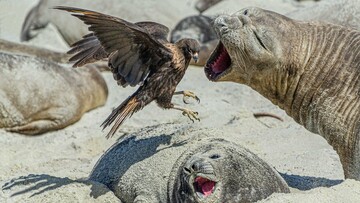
(246, 12)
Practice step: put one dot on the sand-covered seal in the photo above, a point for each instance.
(197, 27)
(38, 96)
(175, 163)
(22, 49)
(309, 69)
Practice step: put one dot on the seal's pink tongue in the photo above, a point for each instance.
(207, 186)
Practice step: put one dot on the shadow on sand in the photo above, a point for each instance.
(308, 182)
(116, 160)
(43, 182)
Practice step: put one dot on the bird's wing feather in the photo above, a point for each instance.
(156, 30)
(131, 49)
(87, 50)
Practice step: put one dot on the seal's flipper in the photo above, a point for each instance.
(35, 127)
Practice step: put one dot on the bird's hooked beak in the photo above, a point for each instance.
(195, 56)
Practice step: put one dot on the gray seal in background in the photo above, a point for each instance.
(38, 96)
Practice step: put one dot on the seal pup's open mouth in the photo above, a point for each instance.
(204, 187)
(218, 63)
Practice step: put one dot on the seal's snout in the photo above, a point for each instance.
(223, 24)
(203, 181)
(191, 167)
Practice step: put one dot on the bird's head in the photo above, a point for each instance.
(190, 47)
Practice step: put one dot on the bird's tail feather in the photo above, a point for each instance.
(123, 111)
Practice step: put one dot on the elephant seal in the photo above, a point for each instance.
(38, 96)
(309, 69)
(21, 49)
(176, 163)
(197, 27)
(33, 51)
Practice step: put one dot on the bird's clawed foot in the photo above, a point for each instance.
(192, 115)
(186, 94)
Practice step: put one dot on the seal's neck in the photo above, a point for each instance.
(322, 75)
(318, 85)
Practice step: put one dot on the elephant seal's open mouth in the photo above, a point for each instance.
(204, 187)
(216, 170)
(218, 63)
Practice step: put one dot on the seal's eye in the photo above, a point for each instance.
(246, 12)
(214, 156)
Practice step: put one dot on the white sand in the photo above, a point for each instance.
(62, 157)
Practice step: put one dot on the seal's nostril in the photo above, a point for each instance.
(222, 25)
(195, 166)
(186, 170)
(220, 22)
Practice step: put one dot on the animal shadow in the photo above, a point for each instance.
(133, 148)
(126, 152)
(42, 183)
(308, 182)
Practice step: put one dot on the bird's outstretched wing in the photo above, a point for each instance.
(133, 50)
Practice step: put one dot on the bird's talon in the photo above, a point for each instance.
(192, 115)
(189, 94)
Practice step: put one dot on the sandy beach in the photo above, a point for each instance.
(56, 164)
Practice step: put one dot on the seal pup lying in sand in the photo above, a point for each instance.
(38, 96)
(177, 163)
(309, 69)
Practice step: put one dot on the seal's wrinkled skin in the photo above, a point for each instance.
(311, 70)
(37, 96)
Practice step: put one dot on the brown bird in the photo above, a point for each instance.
(137, 54)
